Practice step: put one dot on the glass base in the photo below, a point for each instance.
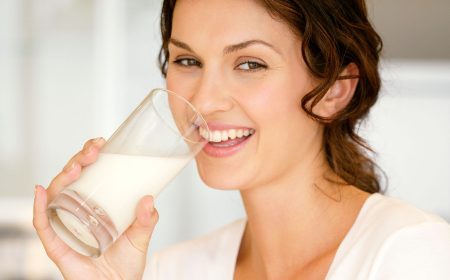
(85, 227)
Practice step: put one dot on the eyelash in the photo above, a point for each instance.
(259, 66)
(180, 61)
(193, 62)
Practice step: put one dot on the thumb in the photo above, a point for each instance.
(140, 232)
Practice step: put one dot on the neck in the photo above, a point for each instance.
(290, 220)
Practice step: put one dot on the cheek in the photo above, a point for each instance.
(276, 110)
(272, 102)
(181, 84)
(172, 85)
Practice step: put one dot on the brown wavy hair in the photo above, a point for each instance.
(334, 34)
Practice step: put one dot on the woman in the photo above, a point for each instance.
(283, 86)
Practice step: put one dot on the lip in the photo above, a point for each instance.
(224, 126)
(222, 152)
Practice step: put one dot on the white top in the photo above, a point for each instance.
(389, 240)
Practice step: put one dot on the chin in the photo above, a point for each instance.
(221, 178)
(219, 181)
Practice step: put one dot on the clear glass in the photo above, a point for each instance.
(145, 153)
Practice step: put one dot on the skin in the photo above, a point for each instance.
(279, 166)
(291, 208)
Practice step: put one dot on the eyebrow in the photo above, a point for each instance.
(243, 45)
(228, 49)
(180, 44)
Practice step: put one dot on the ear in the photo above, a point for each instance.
(340, 94)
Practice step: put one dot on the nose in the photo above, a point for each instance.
(210, 94)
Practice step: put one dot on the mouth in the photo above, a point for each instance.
(225, 142)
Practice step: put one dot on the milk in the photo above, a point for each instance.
(114, 184)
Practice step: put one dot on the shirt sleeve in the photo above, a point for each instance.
(416, 252)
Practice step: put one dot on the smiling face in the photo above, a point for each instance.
(243, 70)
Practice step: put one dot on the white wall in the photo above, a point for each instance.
(410, 129)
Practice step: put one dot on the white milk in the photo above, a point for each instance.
(116, 183)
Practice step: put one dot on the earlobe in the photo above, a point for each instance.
(340, 94)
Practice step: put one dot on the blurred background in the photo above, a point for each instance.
(71, 70)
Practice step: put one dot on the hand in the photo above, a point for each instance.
(124, 259)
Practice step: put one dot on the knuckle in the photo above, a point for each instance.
(92, 143)
(66, 179)
(70, 164)
(51, 254)
(87, 144)
(53, 183)
(56, 181)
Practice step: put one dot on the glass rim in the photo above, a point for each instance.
(154, 92)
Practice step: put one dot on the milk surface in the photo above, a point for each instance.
(117, 182)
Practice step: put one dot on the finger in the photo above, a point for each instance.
(56, 249)
(63, 179)
(72, 170)
(99, 142)
(88, 154)
(140, 232)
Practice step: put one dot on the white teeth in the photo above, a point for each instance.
(204, 133)
(239, 133)
(232, 133)
(224, 135)
(217, 136)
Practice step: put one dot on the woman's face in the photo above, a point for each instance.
(243, 70)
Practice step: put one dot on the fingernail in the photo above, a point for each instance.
(35, 189)
(151, 208)
(95, 140)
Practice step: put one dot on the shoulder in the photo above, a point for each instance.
(204, 257)
(398, 210)
(391, 238)
(383, 217)
(413, 244)
(420, 251)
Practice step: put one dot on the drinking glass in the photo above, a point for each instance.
(144, 154)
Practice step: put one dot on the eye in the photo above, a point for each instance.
(187, 62)
(251, 66)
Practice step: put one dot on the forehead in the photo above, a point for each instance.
(226, 21)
